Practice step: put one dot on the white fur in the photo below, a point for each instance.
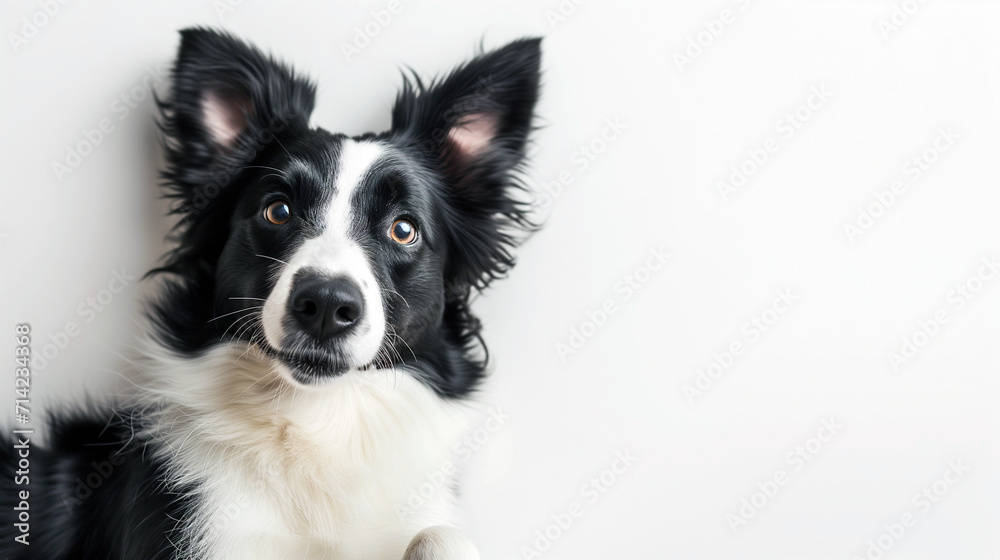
(336, 253)
(283, 471)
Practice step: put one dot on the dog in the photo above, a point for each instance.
(310, 351)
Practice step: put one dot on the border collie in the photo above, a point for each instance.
(310, 349)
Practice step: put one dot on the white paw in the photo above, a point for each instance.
(441, 543)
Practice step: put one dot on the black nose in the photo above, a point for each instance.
(325, 307)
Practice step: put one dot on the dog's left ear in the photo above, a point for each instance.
(473, 126)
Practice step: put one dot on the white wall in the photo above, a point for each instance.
(655, 185)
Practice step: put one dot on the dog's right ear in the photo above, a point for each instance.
(228, 101)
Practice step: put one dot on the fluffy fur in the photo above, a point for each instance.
(305, 370)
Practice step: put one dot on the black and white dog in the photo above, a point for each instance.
(311, 344)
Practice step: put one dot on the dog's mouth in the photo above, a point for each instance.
(309, 365)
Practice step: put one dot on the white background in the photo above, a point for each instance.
(655, 185)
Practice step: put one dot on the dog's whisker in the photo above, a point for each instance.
(241, 321)
(235, 321)
(272, 258)
(280, 172)
(412, 353)
(283, 147)
(235, 312)
(271, 175)
(246, 327)
(390, 291)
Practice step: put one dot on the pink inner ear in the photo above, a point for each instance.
(473, 134)
(224, 117)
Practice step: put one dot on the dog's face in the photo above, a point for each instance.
(328, 253)
(321, 241)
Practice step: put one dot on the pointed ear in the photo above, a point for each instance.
(473, 126)
(482, 110)
(228, 101)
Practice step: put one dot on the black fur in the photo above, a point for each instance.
(95, 492)
(469, 213)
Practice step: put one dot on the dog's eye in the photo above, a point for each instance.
(403, 232)
(277, 212)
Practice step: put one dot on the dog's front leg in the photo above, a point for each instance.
(441, 543)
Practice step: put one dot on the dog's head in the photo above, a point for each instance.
(328, 253)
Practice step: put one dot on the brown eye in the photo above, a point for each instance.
(403, 232)
(277, 212)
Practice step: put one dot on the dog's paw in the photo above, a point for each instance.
(441, 543)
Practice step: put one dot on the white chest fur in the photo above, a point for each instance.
(290, 472)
